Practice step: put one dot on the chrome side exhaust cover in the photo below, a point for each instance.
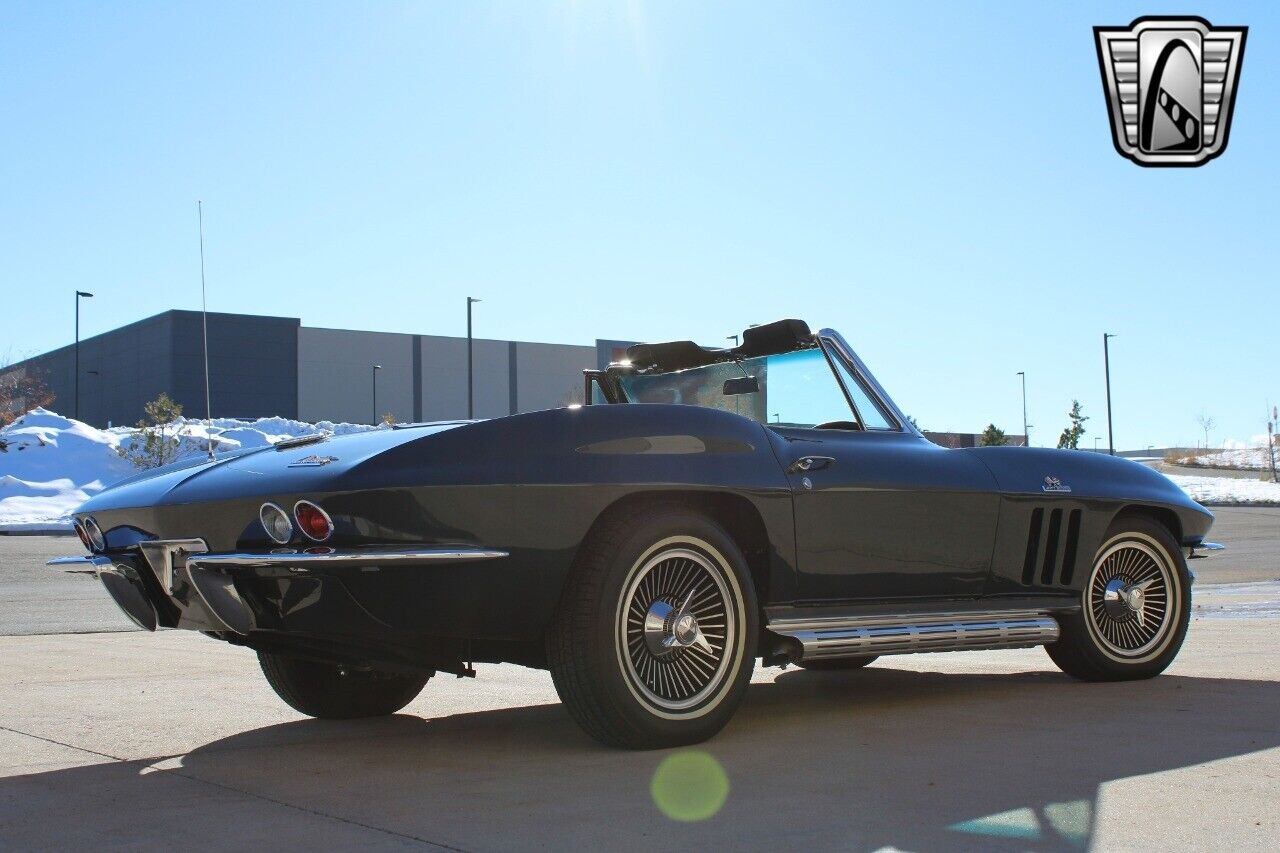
(125, 588)
(857, 636)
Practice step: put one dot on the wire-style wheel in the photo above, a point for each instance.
(655, 636)
(1131, 599)
(675, 624)
(1135, 606)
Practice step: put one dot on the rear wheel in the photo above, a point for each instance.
(335, 692)
(833, 664)
(1135, 607)
(654, 640)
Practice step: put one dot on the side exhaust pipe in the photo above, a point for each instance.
(126, 589)
(218, 592)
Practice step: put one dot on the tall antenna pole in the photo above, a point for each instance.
(1106, 362)
(204, 321)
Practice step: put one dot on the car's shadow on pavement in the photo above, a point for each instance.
(856, 760)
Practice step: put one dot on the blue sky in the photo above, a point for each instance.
(935, 180)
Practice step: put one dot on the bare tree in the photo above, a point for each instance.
(1206, 423)
(21, 390)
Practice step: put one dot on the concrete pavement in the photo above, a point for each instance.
(116, 741)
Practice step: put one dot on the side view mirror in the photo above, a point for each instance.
(741, 385)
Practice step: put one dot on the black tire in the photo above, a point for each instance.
(333, 692)
(835, 664)
(1106, 641)
(679, 681)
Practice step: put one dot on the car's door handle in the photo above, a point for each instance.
(810, 463)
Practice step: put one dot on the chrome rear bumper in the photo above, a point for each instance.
(183, 566)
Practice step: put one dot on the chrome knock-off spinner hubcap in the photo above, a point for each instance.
(676, 626)
(1132, 600)
(667, 629)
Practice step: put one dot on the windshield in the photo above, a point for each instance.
(793, 389)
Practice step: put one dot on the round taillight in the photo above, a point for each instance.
(97, 542)
(312, 521)
(84, 537)
(276, 522)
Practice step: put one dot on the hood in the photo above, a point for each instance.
(286, 467)
(1080, 473)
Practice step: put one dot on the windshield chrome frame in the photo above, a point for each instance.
(841, 348)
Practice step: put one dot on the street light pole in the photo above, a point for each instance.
(76, 405)
(471, 404)
(1106, 363)
(375, 370)
(733, 338)
(1026, 430)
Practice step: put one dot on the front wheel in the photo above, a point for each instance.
(654, 640)
(332, 691)
(1135, 607)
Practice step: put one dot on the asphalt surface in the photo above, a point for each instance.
(127, 740)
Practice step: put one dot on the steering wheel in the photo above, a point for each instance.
(839, 425)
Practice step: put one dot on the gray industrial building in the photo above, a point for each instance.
(275, 366)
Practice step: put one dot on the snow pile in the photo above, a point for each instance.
(53, 464)
(1252, 458)
(1228, 491)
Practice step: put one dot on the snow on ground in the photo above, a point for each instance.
(1254, 458)
(1228, 491)
(1236, 600)
(53, 464)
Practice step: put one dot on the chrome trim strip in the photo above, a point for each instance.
(301, 440)
(346, 558)
(96, 562)
(872, 384)
(911, 633)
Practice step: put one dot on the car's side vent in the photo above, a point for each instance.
(1073, 541)
(1033, 546)
(1050, 531)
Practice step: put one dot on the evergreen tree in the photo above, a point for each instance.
(992, 436)
(1070, 438)
(154, 445)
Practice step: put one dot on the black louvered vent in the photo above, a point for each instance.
(1033, 546)
(1051, 547)
(1050, 530)
(1073, 541)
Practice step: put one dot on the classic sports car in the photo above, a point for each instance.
(705, 508)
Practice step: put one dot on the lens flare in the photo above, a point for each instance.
(689, 786)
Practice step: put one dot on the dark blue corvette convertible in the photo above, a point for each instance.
(705, 509)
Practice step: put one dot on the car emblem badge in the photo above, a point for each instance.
(1171, 86)
(312, 461)
(1053, 484)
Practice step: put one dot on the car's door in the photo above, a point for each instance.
(882, 512)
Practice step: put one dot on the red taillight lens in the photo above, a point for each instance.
(312, 521)
(84, 537)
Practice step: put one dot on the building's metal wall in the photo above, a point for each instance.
(252, 363)
(335, 375)
(269, 366)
